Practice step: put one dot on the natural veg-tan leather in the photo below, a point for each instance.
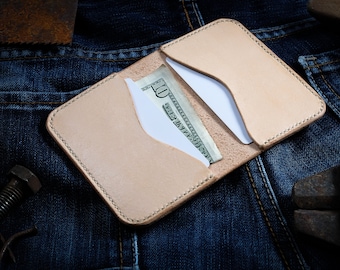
(233, 151)
(273, 100)
(142, 179)
(137, 176)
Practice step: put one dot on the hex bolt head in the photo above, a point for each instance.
(22, 173)
(23, 183)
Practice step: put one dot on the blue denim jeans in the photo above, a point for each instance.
(244, 221)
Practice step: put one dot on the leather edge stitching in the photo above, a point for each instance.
(95, 181)
(267, 50)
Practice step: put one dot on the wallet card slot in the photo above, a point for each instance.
(158, 126)
(234, 152)
(218, 98)
(139, 177)
(272, 99)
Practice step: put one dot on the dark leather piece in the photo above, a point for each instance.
(37, 21)
(327, 11)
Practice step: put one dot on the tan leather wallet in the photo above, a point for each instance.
(141, 178)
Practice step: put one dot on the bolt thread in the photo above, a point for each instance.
(10, 197)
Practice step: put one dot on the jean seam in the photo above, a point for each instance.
(281, 36)
(276, 210)
(187, 15)
(32, 103)
(316, 65)
(287, 25)
(68, 57)
(308, 23)
(266, 218)
(121, 260)
(308, 70)
(324, 79)
(197, 13)
(75, 52)
(134, 247)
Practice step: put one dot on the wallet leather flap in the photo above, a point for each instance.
(139, 177)
(272, 99)
(142, 178)
(234, 152)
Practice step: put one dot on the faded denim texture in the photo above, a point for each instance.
(244, 221)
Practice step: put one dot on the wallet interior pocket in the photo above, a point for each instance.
(139, 177)
(273, 100)
(142, 178)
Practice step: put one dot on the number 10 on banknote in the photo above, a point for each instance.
(161, 87)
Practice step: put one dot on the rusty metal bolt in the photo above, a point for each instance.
(319, 191)
(318, 198)
(22, 184)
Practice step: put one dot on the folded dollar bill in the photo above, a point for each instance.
(162, 88)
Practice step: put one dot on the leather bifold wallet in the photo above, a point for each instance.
(155, 134)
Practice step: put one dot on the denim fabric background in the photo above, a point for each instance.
(244, 221)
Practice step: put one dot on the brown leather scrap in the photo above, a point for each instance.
(37, 21)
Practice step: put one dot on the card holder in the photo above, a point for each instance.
(142, 178)
(264, 88)
(139, 178)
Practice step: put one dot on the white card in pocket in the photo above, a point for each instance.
(142, 178)
(158, 126)
(216, 96)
